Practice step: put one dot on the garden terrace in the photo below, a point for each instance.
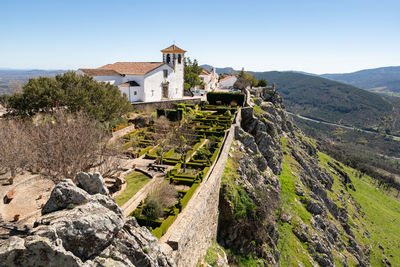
(209, 124)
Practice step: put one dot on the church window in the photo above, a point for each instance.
(165, 73)
(179, 59)
(168, 58)
(152, 92)
(135, 93)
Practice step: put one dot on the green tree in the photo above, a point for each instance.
(262, 83)
(100, 100)
(245, 80)
(191, 74)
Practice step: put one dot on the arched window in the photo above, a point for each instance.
(179, 59)
(168, 58)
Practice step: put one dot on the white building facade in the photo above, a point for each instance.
(210, 79)
(227, 82)
(146, 81)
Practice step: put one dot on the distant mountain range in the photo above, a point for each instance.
(385, 80)
(381, 80)
(10, 77)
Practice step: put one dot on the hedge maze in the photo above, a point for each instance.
(209, 123)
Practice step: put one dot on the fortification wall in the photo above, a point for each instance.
(195, 229)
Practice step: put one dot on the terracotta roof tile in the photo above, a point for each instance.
(227, 77)
(173, 48)
(133, 68)
(100, 72)
(205, 72)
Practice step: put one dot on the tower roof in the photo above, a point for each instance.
(173, 49)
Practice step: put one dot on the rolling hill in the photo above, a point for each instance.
(381, 80)
(328, 100)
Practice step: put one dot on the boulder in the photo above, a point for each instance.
(84, 230)
(80, 229)
(65, 193)
(92, 183)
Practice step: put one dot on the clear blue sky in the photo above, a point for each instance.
(309, 35)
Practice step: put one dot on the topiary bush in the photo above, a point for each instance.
(225, 98)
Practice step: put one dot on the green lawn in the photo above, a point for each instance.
(135, 180)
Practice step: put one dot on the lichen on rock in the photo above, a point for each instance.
(80, 228)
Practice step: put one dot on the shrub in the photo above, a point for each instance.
(203, 153)
(152, 210)
(225, 98)
(171, 114)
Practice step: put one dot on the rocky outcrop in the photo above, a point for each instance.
(80, 228)
(265, 136)
(258, 152)
(92, 183)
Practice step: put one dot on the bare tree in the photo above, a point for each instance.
(184, 139)
(66, 143)
(15, 146)
(162, 136)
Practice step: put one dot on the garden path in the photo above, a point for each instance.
(202, 144)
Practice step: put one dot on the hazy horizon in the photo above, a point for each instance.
(311, 36)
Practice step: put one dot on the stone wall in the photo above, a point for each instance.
(189, 237)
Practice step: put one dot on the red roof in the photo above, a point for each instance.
(99, 72)
(205, 72)
(173, 49)
(227, 77)
(133, 68)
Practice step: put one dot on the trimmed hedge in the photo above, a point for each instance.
(163, 228)
(188, 195)
(144, 150)
(225, 98)
(171, 114)
(152, 154)
(195, 147)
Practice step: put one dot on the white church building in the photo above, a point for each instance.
(145, 81)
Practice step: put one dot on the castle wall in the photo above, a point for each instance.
(189, 237)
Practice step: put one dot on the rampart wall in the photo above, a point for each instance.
(189, 237)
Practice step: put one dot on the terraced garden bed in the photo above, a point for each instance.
(210, 128)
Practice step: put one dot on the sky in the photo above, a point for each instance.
(317, 36)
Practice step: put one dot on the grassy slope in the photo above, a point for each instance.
(380, 208)
(328, 100)
(135, 180)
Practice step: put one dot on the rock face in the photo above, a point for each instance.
(80, 228)
(92, 183)
(261, 143)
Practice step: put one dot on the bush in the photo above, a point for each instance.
(152, 210)
(225, 98)
(171, 114)
(203, 153)
(100, 100)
